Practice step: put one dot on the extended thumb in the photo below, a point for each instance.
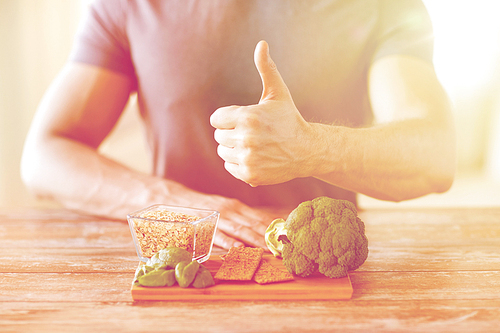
(273, 86)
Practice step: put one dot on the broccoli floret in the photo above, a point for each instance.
(323, 234)
(297, 263)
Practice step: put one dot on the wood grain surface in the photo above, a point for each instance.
(429, 270)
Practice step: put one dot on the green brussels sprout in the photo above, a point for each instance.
(170, 257)
(157, 278)
(143, 270)
(203, 278)
(172, 265)
(185, 272)
(139, 272)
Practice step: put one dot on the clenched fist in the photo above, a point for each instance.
(266, 143)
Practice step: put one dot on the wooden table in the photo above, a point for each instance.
(433, 270)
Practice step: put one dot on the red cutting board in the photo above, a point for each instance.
(315, 287)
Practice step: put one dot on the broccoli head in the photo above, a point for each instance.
(323, 234)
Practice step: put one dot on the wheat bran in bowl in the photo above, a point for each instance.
(161, 226)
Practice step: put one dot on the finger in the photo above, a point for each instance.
(273, 85)
(225, 137)
(261, 228)
(226, 242)
(233, 169)
(225, 117)
(252, 220)
(259, 221)
(243, 233)
(227, 154)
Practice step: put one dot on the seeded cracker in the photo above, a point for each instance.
(267, 273)
(240, 264)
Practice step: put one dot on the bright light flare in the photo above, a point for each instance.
(467, 42)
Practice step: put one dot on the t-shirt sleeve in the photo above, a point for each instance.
(404, 28)
(101, 38)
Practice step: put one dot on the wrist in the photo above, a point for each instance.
(324, 150)
(169, 192)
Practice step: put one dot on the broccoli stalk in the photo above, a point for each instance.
(323, 234)
(275, 237)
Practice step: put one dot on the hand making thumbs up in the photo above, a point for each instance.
(265, 143)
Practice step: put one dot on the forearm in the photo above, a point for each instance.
(79, 178)
(395, 161)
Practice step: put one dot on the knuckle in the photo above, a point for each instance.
(231, 204)
(249, 175)
(248, 141)
(245, 158)
(229, 168)
(237, 229)
(244, 173)
(249, 119)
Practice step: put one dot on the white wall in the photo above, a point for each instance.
(35, 37)
(467, 60)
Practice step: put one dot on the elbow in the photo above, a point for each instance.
(438, 174)
(433, 183)
(32, 171)
(29, 170)
(440, 184)
(443, 183)
(425, 184)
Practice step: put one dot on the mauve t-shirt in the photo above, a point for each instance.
(189, 57)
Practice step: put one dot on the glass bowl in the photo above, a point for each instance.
(161, 226)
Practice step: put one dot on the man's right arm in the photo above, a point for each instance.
(60, 159)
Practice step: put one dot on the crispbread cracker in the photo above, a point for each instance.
(240, 264)
(267, 273)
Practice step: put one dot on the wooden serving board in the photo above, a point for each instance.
(315, 287)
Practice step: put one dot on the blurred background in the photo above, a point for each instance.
(36, 37)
